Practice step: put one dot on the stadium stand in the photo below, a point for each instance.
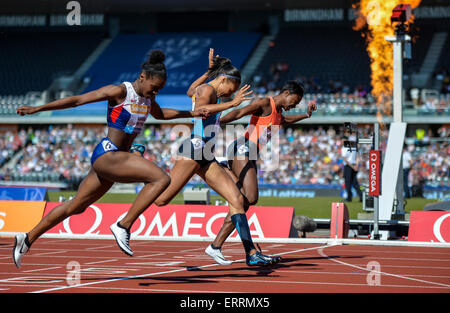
(327, 54)
(307, 156)
(331, 62)
(9, 103)
(31, 60)
(185, 60)
(421, 41)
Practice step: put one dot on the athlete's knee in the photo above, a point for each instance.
(163, 181)
(162, 201)
(78, 204)
(76, 208)
(252, 199)
(237, 200)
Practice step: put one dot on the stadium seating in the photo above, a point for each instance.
(421, 40)
(9, 103)
(186, 59)
(325, 53)
(31, 60)
(307, 156)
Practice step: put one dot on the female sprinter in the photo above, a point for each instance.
(128, 107)
(243, 152)
(195, 155)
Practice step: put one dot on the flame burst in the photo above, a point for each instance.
(376, 14)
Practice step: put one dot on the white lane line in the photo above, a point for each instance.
(42, 269)
(318, 283)
(354, 273)
(95, 248)
(97, 262)
(320, 251)
(150, 255)
(152, 274)
(54, 252)
(138, 290)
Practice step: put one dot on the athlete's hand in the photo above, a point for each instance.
(311, 107)
(24, 110)
(211, 57)
(242, 95)
(202, 112)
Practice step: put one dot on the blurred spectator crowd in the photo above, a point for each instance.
(305, 155)
(337, 97)
(279, 74)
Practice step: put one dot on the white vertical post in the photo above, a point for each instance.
(398, 112)
(397, 106)
(398, 81)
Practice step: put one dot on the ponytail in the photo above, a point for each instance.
(223, 67)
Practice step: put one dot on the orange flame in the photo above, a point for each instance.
(376, 14)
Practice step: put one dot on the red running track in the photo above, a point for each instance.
(171, 266)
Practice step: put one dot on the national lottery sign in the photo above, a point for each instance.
(174, 221)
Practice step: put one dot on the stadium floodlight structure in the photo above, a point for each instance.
(392, 177)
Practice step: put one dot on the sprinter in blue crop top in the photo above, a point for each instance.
(196, 154)
(128, 107)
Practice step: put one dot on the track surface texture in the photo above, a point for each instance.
(99, 266)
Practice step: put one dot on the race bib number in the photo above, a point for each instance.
(108, 146)
(242, 149)
(197, 143)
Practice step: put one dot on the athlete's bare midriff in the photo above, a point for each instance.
(122, 140)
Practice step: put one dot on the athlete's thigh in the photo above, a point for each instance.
(231, 174)
(92, 188)
(215, 176)
(246, 172)
(125, 167)
(180, 174)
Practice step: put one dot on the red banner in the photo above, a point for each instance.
(339, 223)
(187, 221)
(430, 226)
(374, 173)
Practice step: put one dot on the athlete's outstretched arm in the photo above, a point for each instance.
(253, 108)
(168, 114)
(290, 119)
(109, 92)
(204, 99)
(202, 79)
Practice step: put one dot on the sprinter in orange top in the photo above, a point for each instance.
(243, 152)
(260, 126)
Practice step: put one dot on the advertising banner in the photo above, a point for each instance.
(187, 221)
(20, 216)
(374, 173)
(430, 226)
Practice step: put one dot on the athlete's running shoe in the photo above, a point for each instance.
(122, 236)
(258, 259)
(217, 255)
(272, 259)
(20, 248)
